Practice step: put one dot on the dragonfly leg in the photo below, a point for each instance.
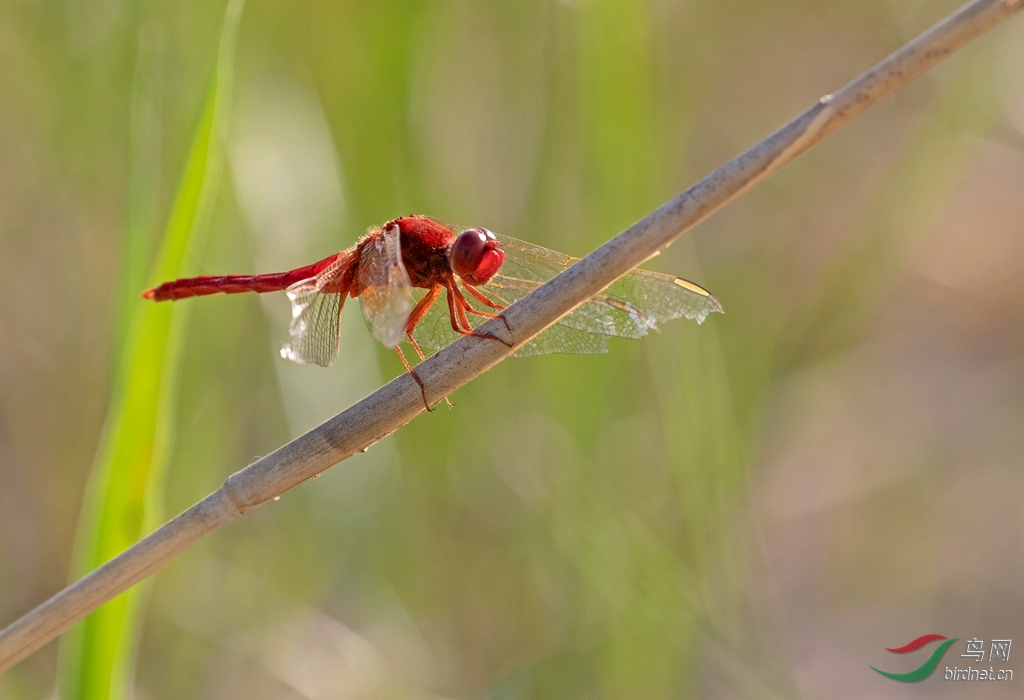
(415, 316)
(460, 306)
(457, 306)
(412, 373)
(419, 311)
(478, 312)
(416, 346)
(483, 299)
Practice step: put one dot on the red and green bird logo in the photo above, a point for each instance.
(925, 669)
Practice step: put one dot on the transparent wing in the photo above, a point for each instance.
(563, 339)
(629, 308)
(316, 311)
(387, 292)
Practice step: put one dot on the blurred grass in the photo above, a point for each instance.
(925, 170)
(140, 233)
(125, 498)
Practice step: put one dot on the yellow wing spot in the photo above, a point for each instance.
(692, 287)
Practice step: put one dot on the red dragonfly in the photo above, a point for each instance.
(416, 252)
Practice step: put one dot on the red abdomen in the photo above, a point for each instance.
(235, 284)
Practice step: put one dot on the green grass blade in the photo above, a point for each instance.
(125, 489)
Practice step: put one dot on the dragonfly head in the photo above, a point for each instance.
(475, 256)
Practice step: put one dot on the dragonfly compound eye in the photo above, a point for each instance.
(475, 256)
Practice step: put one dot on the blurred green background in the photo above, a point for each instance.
(755, 507)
